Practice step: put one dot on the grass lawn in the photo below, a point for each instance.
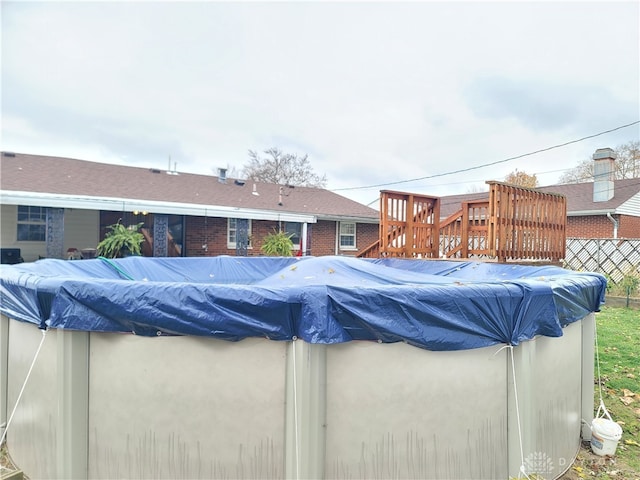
(619, 350)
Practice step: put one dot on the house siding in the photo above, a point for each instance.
(80, 231)
(631, 206)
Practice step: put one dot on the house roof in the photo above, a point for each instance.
(626, 198)
(68, 179)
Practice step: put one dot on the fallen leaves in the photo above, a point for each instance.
(627, 396)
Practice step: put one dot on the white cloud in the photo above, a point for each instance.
(373, 92)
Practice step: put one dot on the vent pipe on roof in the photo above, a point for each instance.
(222, 175)
(603, 170)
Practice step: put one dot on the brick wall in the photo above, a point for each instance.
(589, 226)
(367, 233)
(599, 226)
(629, 227)
(213, 234)
(206, 237)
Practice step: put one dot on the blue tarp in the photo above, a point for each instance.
(437, 305)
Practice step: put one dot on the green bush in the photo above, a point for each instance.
(277, 244)
(630, 282)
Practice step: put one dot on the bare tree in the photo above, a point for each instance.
(477, 189)
(522, 179)
(627, 165)
(282, 168)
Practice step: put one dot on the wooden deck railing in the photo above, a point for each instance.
(464, 234)
(526, 224)
(515, 223)
(408, 226)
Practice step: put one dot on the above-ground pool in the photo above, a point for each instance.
(266, 368)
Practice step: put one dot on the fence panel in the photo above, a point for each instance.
(614, 257)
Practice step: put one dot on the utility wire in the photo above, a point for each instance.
(491, 163)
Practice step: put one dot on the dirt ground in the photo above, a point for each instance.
(589, 465)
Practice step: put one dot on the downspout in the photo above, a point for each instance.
(615, 225)
(336, 248)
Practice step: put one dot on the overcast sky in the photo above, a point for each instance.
(375, 93)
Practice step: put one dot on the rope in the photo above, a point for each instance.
(116, 268)
(15, 407)
(601, 408)
(522, 470)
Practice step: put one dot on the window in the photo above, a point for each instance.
(232, 233)
(347, 236)
(295, 230)
(32, 224)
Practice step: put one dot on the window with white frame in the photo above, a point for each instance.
(295, 230)
(232, 232)
(32, 223)
(347, 235)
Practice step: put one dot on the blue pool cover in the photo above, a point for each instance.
(437, 305)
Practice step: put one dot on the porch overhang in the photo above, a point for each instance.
(126, 204)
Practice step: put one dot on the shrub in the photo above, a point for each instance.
(277, 244)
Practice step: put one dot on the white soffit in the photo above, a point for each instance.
(168, 208)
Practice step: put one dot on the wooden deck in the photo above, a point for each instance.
(513, 223)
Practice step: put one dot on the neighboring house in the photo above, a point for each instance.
(604, 208)
(58, 207)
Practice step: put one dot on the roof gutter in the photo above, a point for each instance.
(85, 202)
(584, 213)
(348, 218)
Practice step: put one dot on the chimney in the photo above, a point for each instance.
(603, 169)
(222, 175)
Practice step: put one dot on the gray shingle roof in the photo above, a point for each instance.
(579, 197)
(46, 174)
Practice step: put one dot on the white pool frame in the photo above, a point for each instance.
(121, 406)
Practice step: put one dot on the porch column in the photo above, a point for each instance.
(160, 235)
(304, 241)
(55, 233)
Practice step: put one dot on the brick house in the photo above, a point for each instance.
(604, 208)
(57, 207)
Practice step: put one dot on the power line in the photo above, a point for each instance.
(491, 163)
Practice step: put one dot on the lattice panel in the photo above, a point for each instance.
(613, 257)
